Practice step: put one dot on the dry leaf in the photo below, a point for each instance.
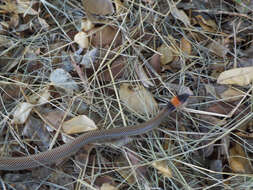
(61, 78)
(25, 7)
(239, 76)
(206, 23)
(120, 7)
(21, 113)
(167, 54)
(98, 7)
(14, 21)
(180, 15)
(43, 23)
(185, 46)
(78, 124)
(86, 25)
(155, 61)
(218, 47)
(81, 38)
(107, 186)
(231, 94)
(54, 118)
(143, 76)
(19, 7)
(103, 36)
(40, 98)
(34, 129)
(237, 160)
(89, 58)
(163, 168)
(117, 69)
(138, 99)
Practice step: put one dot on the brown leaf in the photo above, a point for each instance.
(14, 21)
(206, 23)
(156, 63)
(103, 36)
(238, 161)
(98, 7)
(117, 69)
(185, 46)
(54, 118)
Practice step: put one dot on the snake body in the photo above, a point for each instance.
(68, 149)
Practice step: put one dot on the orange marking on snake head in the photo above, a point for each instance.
(175, 101)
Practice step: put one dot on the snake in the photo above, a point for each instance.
(66, 150)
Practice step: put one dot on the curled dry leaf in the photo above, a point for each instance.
(98, 7)
(138, 99)
(78, 124)
(239, 76)
(162, 167)
(81, 38)
(103, 36)
(21, 113)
